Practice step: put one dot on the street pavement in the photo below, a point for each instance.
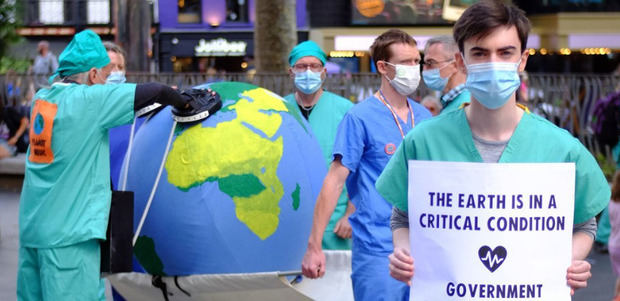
(600, 286)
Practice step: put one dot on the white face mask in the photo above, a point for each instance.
(406, 78)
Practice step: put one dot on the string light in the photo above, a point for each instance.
(341, 53)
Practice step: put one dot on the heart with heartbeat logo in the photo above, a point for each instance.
(492, 259)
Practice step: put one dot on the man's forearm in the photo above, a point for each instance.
(326, 203)
(149, 93)
(400, 238)
(324, 208)
(582, 243)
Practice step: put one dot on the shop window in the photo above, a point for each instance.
(189, 11)
(237, 11)
(98, 12)
(51, 11)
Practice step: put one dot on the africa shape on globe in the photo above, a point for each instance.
(237, 192)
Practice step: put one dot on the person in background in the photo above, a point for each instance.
(614, 237)
(522, 91)
(13, 125)
(492, 39)
(119, 136)
(117, 62)
(324, 111)
(367, 137)
(432, 104)
(441, 74)
(45, 63)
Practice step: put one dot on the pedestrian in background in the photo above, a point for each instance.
(45, 63)
(432, 104)
(614, 237)
(441, 74)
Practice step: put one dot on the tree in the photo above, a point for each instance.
(275, 34)
(8, 25)
(134, 32)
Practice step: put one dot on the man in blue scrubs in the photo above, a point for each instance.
(492, 39)
(367, 137)
(441, 74)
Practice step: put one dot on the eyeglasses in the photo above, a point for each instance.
(432, 64)
(315, 67)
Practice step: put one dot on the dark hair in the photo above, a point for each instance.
(379, 51)
(484, 16)
(615, 187)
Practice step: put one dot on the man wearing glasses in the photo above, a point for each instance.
(441, 74)
(323, 110)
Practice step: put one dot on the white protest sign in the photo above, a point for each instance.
(481, 231)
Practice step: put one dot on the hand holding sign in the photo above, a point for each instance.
(578, 274)
(401, 265)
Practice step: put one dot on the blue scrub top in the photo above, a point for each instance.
(367, 137)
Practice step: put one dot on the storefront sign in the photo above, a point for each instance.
(482, 231)
(220, 47)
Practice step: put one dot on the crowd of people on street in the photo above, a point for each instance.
(478, 113)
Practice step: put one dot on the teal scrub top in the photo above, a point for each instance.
(324, 120)
(457, 102)
(66, 192)
(448, 137)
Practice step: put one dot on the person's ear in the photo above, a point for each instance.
(524, 57)
(290, 72)
(92, 76)
(460, 63)
(381, 67)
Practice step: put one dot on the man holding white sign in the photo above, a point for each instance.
(492, 40)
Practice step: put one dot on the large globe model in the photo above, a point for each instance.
(237, 191)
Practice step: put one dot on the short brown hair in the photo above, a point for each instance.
(379, 51)
(484, 16)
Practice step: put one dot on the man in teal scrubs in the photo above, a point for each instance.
(492, 38)
(441, 74)
(65, 200)
(323, 110)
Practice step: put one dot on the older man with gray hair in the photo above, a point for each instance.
(65, 200)
(441, 74)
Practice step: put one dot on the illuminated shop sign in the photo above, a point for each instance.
(220, 47)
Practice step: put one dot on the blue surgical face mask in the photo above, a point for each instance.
(308, 82)
(492, 83)
(116, 77)
(433, 80)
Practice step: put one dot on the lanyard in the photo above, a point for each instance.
(384, 101)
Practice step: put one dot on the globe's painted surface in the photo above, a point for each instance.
(237, 191)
